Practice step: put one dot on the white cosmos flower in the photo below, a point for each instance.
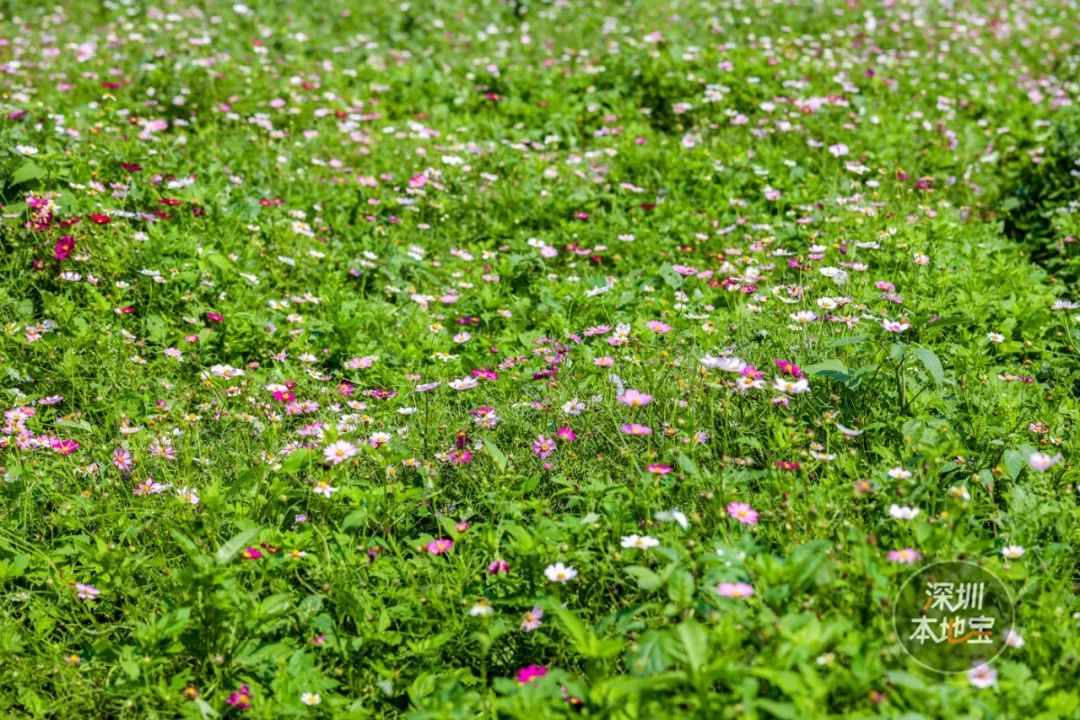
(901, 512)
(639, 542)
(560, 573)
(1043, 462)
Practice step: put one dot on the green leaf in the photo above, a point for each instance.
(220, 261)
(694, 641)
(29, 170)
(74, 424)
(296, 460)
(932, 363)
(496, 455)
(681, 587)
(826, 367)
(687, 465)
(1014, 463)
(851, 340)
(646, 578)
(653, 653)
(235, 544)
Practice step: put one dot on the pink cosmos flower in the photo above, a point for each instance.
(529, 673)
(251, 553)
(735, 590)
(338, 452)
(498, 567)
(565, 433)
(743, 513)
(906, 556)
(532, 620)
(635, 429)
(86, 592)
(122, 459)
(982, 676)
(659, 469)
(634, 398)
(658, 327)
(543, 447)
(440, 546)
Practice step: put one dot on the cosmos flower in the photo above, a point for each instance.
(560, 573)
(532, 620)
(639, 542)
(901, 512)
(529, 673)
(735, 590)
(907, 556)
(543, 447)
(1013, 552)
(86, 592)
(338, 452)
(743, 513)
(982, 676)
(440, 546)
(1043, 462)
(324, 488)
(634, 398)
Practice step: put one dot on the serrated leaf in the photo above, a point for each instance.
(27, 171)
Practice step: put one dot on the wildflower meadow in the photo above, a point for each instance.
(540, 359)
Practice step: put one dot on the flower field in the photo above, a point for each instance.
(538, 359)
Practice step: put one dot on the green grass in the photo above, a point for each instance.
(556, 203)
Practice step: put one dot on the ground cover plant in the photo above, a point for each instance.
(534, 359)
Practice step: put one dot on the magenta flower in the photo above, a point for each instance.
(64, 447)
(529, 673)
(743, 513)
(789, 368)
(567, 434)
(440, 546)
(543, 447)
(251, 553)
(635, 429)
(64, 247)
(241, 698)
(498, 567)
(659, 469)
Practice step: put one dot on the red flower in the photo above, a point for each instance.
(100, 219)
